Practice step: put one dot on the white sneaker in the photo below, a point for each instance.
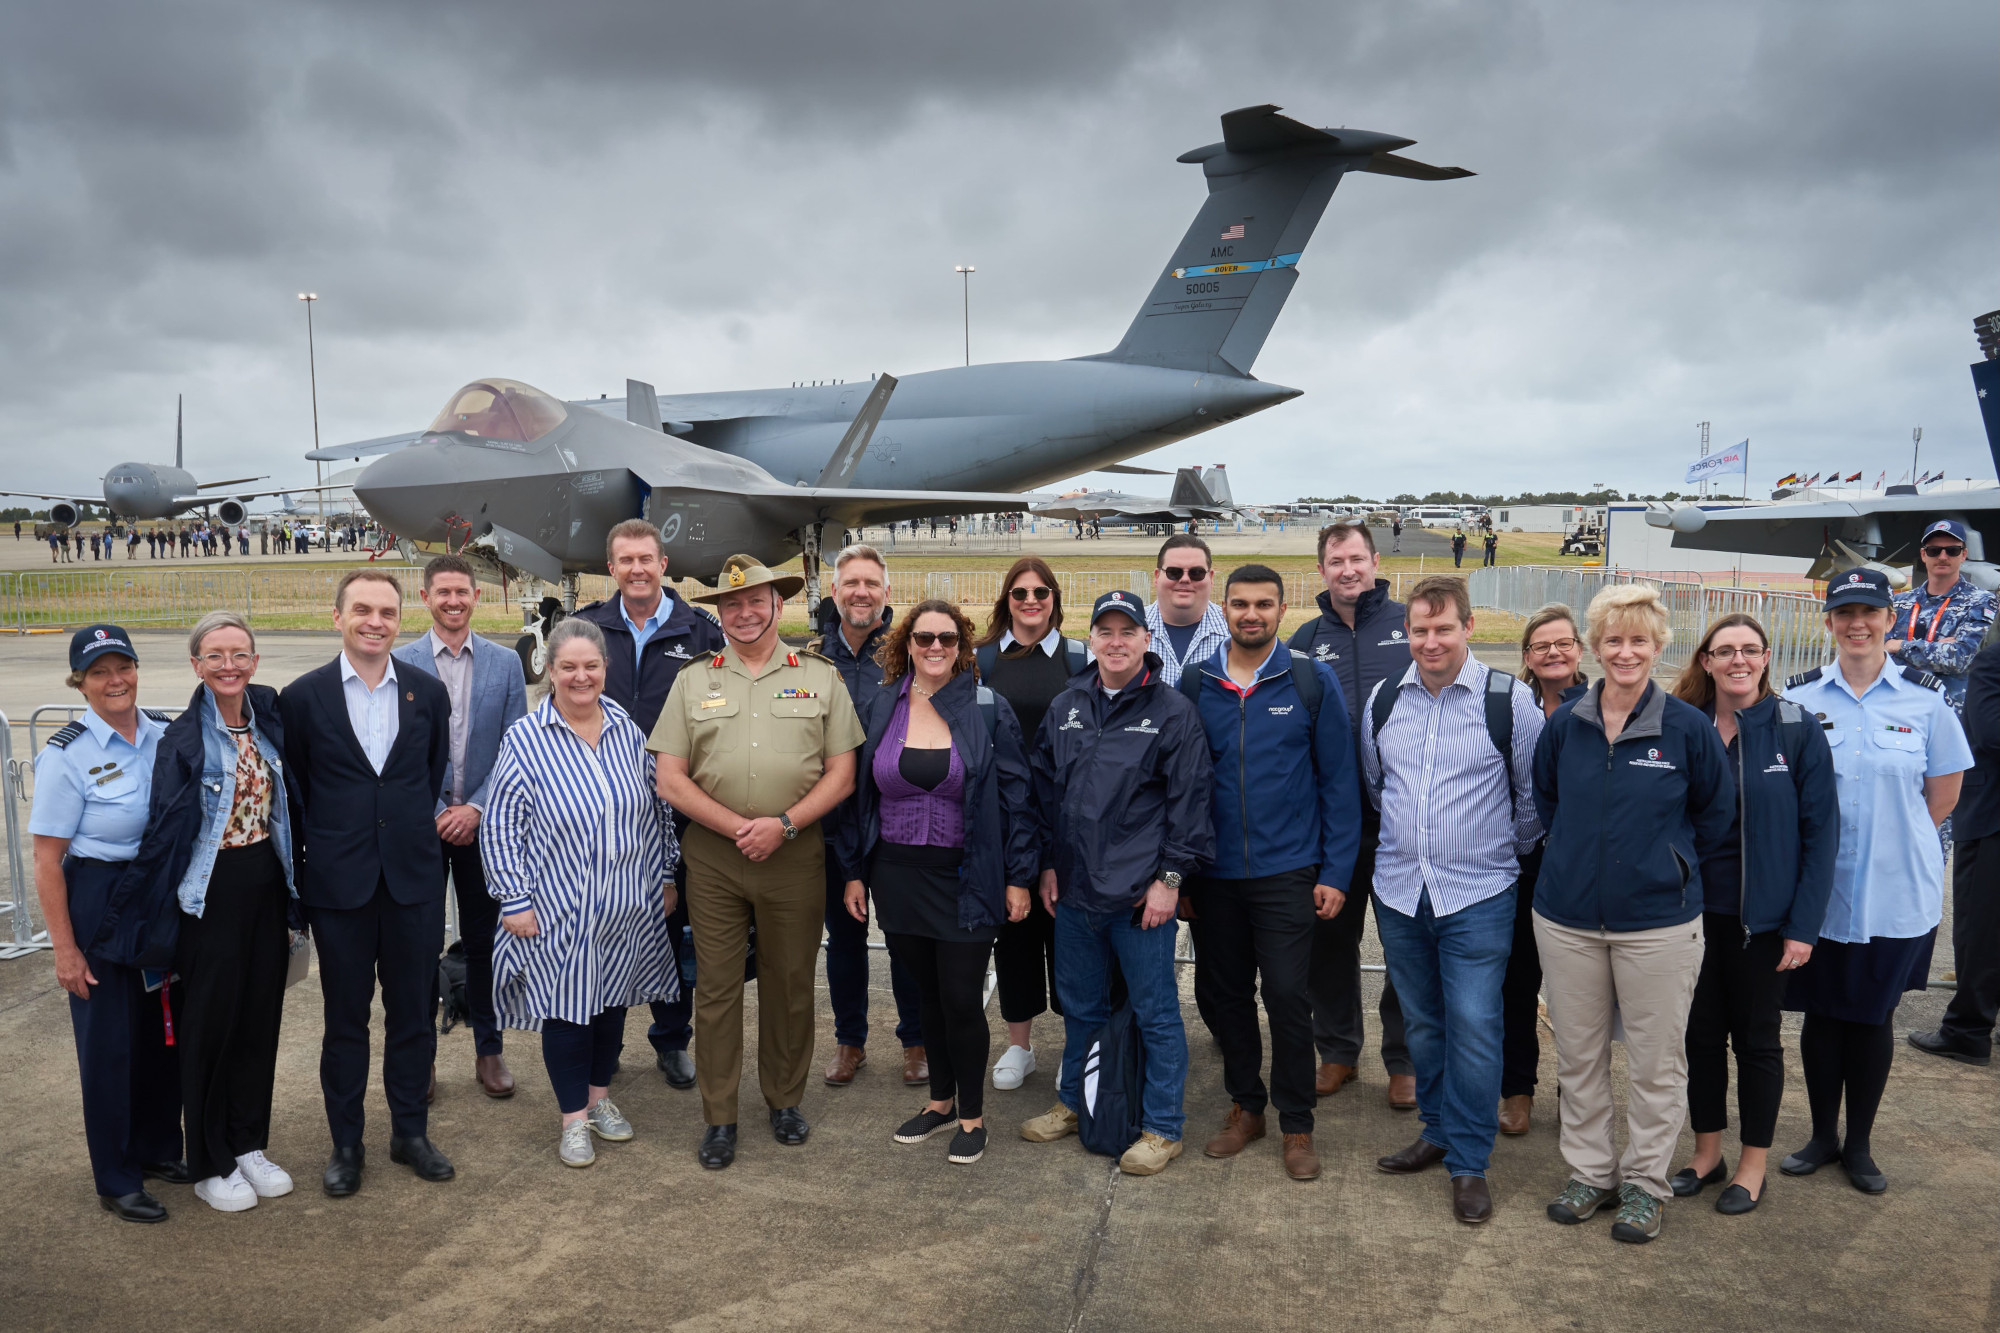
(1013, 1067)
(226, 1194)
(270, 1180)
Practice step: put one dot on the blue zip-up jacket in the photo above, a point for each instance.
(1374, 650)
(1271, 764)
(1121, 790)
(1629, 821)
(1000, 844)
(1790, 821)
(640, 682)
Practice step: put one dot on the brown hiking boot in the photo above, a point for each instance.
(1237, 1132)
(1301, 1162)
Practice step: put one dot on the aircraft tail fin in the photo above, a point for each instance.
(839, 469)
(1269, 181)
(1216, 482)
(177, 431)
(642, 404)
(1189, 493)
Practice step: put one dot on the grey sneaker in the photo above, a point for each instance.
(1578, 1203)
(1639, 1215)
(606, 1122)
(575, 1148)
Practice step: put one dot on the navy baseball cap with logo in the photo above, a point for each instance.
(1864, 587)
(94, 641)
(1951, 527)
(1120, 600)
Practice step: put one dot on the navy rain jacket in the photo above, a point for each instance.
(1272, 765)
(1630, 821)
(1375, 649)
(1121, 789)
(1790, 820)
(1000, 844)
(641, 687)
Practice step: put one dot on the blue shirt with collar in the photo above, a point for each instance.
(641, 633)
(93, 787)
(372, 713)
(1888, 876)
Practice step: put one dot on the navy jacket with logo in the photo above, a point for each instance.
(1374, 650)
(1273, 764)
(1790, 820)
(1629, 821)
(1120, 789)
(640, 687)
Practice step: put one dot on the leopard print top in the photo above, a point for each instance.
(250, 817)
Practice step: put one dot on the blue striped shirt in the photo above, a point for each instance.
(1447, 821)
(580, 835)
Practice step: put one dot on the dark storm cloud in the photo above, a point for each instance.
(1776, 216)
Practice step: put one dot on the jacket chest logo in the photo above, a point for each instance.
(677, 651)
(1072, 724)
(1325, 652)
(1778, 764)
(1145, 727)
(1281, 710)
(1654, 759)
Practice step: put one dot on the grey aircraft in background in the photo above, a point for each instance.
(1196, 495)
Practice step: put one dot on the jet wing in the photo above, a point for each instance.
(855, 508)
(1804, 529)
(257, 495)
(381, 444)
(97, 499)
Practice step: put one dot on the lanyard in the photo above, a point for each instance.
(1936, 620)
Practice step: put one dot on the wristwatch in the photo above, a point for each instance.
(791, 829)
(1172, 879)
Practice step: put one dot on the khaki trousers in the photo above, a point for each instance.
(1646, 978)
(786, 898)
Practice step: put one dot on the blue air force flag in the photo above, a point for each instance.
(1733, 459)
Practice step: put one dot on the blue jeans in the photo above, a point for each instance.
(1448, 970)
(1086, 942)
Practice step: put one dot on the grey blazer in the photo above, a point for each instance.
(499, 699)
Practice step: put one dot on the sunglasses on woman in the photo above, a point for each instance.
(1040, 594)
(924, 638)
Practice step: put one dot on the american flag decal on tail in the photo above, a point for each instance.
(1235, 233)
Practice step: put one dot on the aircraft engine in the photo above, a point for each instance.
(1689, 518)
(63, 514)
(230, 513)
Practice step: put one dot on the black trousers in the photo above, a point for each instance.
(397, 942)
(1975, 942)
(951, 977)
(1335, 977)
(580, 1056)
(847, 975)
(672, 1027)
(1736, 1005)
(1024, 965)
(232, 964)
(1520, 991)
(478, 918)
(1243, 928)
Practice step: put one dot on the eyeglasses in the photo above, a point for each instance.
(1552, 648)
(1040, 594)
(1730, 654)
(1175, 574)
(923, 638)
(215, 661)
(1935, 551)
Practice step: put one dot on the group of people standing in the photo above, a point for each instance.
(695, 804)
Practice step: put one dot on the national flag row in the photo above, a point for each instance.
(1835, 478)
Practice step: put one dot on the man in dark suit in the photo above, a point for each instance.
(369, 750)
(1967, 1031)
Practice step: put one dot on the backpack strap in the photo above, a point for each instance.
(1382, 703)
(1789, 713)
(1079, 656)
(985, 657)
(1305, 679)
(1191, 686)
(987, 710)
(1500, 720)
(1804, 678)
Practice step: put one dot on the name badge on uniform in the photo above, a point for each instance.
(796, 694)
(714, 701)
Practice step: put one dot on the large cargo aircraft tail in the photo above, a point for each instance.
(1268, 182)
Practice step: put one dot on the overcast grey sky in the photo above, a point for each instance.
(1778, 217)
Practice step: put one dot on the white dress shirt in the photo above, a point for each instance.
(372, 713)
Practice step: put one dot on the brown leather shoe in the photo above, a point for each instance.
(1237, 1133)
(1470, 1200)
(847, 1062)
(1412, 1159)
(1514, 1114)
(916, 1066)
(494, 1076)
(430, 1093)
(1330, 1078)
(1301, 1162)
(1403, 1091)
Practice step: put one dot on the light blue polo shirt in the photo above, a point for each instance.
(93, 787)
(1888, 878)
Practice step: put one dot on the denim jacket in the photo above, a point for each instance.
(217, 791)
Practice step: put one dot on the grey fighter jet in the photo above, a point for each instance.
(1195, 496)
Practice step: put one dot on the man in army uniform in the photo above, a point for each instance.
(756, 746)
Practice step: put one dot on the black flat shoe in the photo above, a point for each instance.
(1863, 1173)
(174, 1173)
(678, 1066)
(788, 1126)
(1810, 1158)
(926, 1123)
(137, 1206)
(1736, 1201)
(718, 1147)
(422, 1157)
(343, 1172)
(1687, 1184)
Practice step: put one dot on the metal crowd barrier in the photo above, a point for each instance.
(19, 903)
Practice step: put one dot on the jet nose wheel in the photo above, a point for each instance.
(534, 657)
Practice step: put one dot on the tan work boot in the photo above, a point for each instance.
(847, 1062)
(1301, 1162)
(1238, 1132)
(1514, 1113)
(1330, 1078)
(1149, 1155)
(1058, 1122)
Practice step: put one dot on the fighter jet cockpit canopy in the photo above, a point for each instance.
(499, 409)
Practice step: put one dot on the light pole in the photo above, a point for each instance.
(965, 272)
(312, 372)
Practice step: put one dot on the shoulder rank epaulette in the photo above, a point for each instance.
(812, 652)
(158, 715)
(66, 734)
(1804, 678)
(816, 645)
(1919, 676)
(700, 610)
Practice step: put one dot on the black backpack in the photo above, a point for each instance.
(1108, 1110)
(1304, 679)
(1499, 717)
(453, 1006)
(988, 654)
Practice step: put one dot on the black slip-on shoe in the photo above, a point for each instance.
(1687, 1184)
(422, 1157)
(678, 1066)
(1810, 1158)
(174, 1173)
(343, 1172)
(137, 1206)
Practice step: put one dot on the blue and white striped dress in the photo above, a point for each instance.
(580, 835)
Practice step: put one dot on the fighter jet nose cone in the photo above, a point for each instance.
(398, 490)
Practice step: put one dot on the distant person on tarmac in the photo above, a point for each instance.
(1396, 534)
(1457, 549)
(1492, 548)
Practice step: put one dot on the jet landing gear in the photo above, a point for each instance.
(539, 614)
(809, 545)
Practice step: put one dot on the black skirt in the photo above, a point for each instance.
(916, 892)
(1861, 983)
